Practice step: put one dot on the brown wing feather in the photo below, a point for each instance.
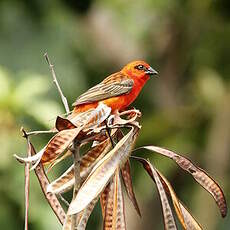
(114, 85)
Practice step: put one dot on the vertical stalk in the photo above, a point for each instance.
(76, 159)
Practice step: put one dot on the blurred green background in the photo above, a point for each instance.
(186, 109)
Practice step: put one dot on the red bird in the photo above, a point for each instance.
(118, 90)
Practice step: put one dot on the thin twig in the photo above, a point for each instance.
(108, 132)
(34, 133)
(64, 100)
(27, 179)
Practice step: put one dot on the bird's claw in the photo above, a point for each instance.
(116, 119)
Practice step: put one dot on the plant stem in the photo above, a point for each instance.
(76, 158)
(63, 98)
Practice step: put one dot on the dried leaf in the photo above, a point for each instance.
(114, 210)
(54, 148)
(92, 118)
(62, 183)
(58, 160)
(62, 124)
(87, 162)
(85, 214)
(186, 219)
(58, 144)
(51, 198)
(191, 223)
(198, 174)
(129, 186)
(82, 217)
(103, 199)
(169, 221)
(31, 159)
(95, 154)
(68, 223)
(102, 172)
(64, 138)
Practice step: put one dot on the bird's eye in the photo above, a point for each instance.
(140, 67)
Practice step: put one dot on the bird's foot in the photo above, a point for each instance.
(116, 119)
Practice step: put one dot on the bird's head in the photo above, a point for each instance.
(139, 69)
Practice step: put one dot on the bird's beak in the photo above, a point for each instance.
(151, 71)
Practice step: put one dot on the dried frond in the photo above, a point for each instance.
(198, 174)
(114, 208)
(184, 216)
(102, 172)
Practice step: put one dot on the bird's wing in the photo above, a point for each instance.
(114, 85)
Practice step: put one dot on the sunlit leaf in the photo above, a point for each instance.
(31, 87)
(5, 84)
(198, 174)
(45, 112)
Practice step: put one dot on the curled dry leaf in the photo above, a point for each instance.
(186, 219)
(116, 119)
(198, 174)
(54, 148)
(91, 118)
(31, 159)
(51, 198)
(62, 124)
(102, 172)
(58, 144)
(114, 208)
(126, 175)
(169, 221)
